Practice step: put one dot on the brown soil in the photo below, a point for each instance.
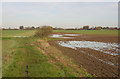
(91, 64)
(98, 38)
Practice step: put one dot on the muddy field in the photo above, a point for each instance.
(97, 54)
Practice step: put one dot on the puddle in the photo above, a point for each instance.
(56, 35)
(72, 34)
(19, 36)
(59, 36)
(64, 35)
(99, 46)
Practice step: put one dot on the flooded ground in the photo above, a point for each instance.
(20, 36)
(98, 54)
(70, 36)
(109, 48)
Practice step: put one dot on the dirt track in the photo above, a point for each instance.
(91, 64)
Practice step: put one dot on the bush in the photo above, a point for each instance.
(44, 31)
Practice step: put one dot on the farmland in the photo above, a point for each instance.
(31, 32)
(47, 58)
(89, 50)
(91, 32)
(17, 58)
(11, 33)
(24, 57)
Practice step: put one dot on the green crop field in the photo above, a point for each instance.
(93, 32)
(10, 33)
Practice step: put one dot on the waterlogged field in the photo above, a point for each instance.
(95, 51)
(108, 48)
(66, 53)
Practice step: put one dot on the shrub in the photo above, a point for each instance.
(44, 31)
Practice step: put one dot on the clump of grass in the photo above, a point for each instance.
(43, 32)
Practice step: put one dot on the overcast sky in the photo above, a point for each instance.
(60, 0)
(59, 14)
